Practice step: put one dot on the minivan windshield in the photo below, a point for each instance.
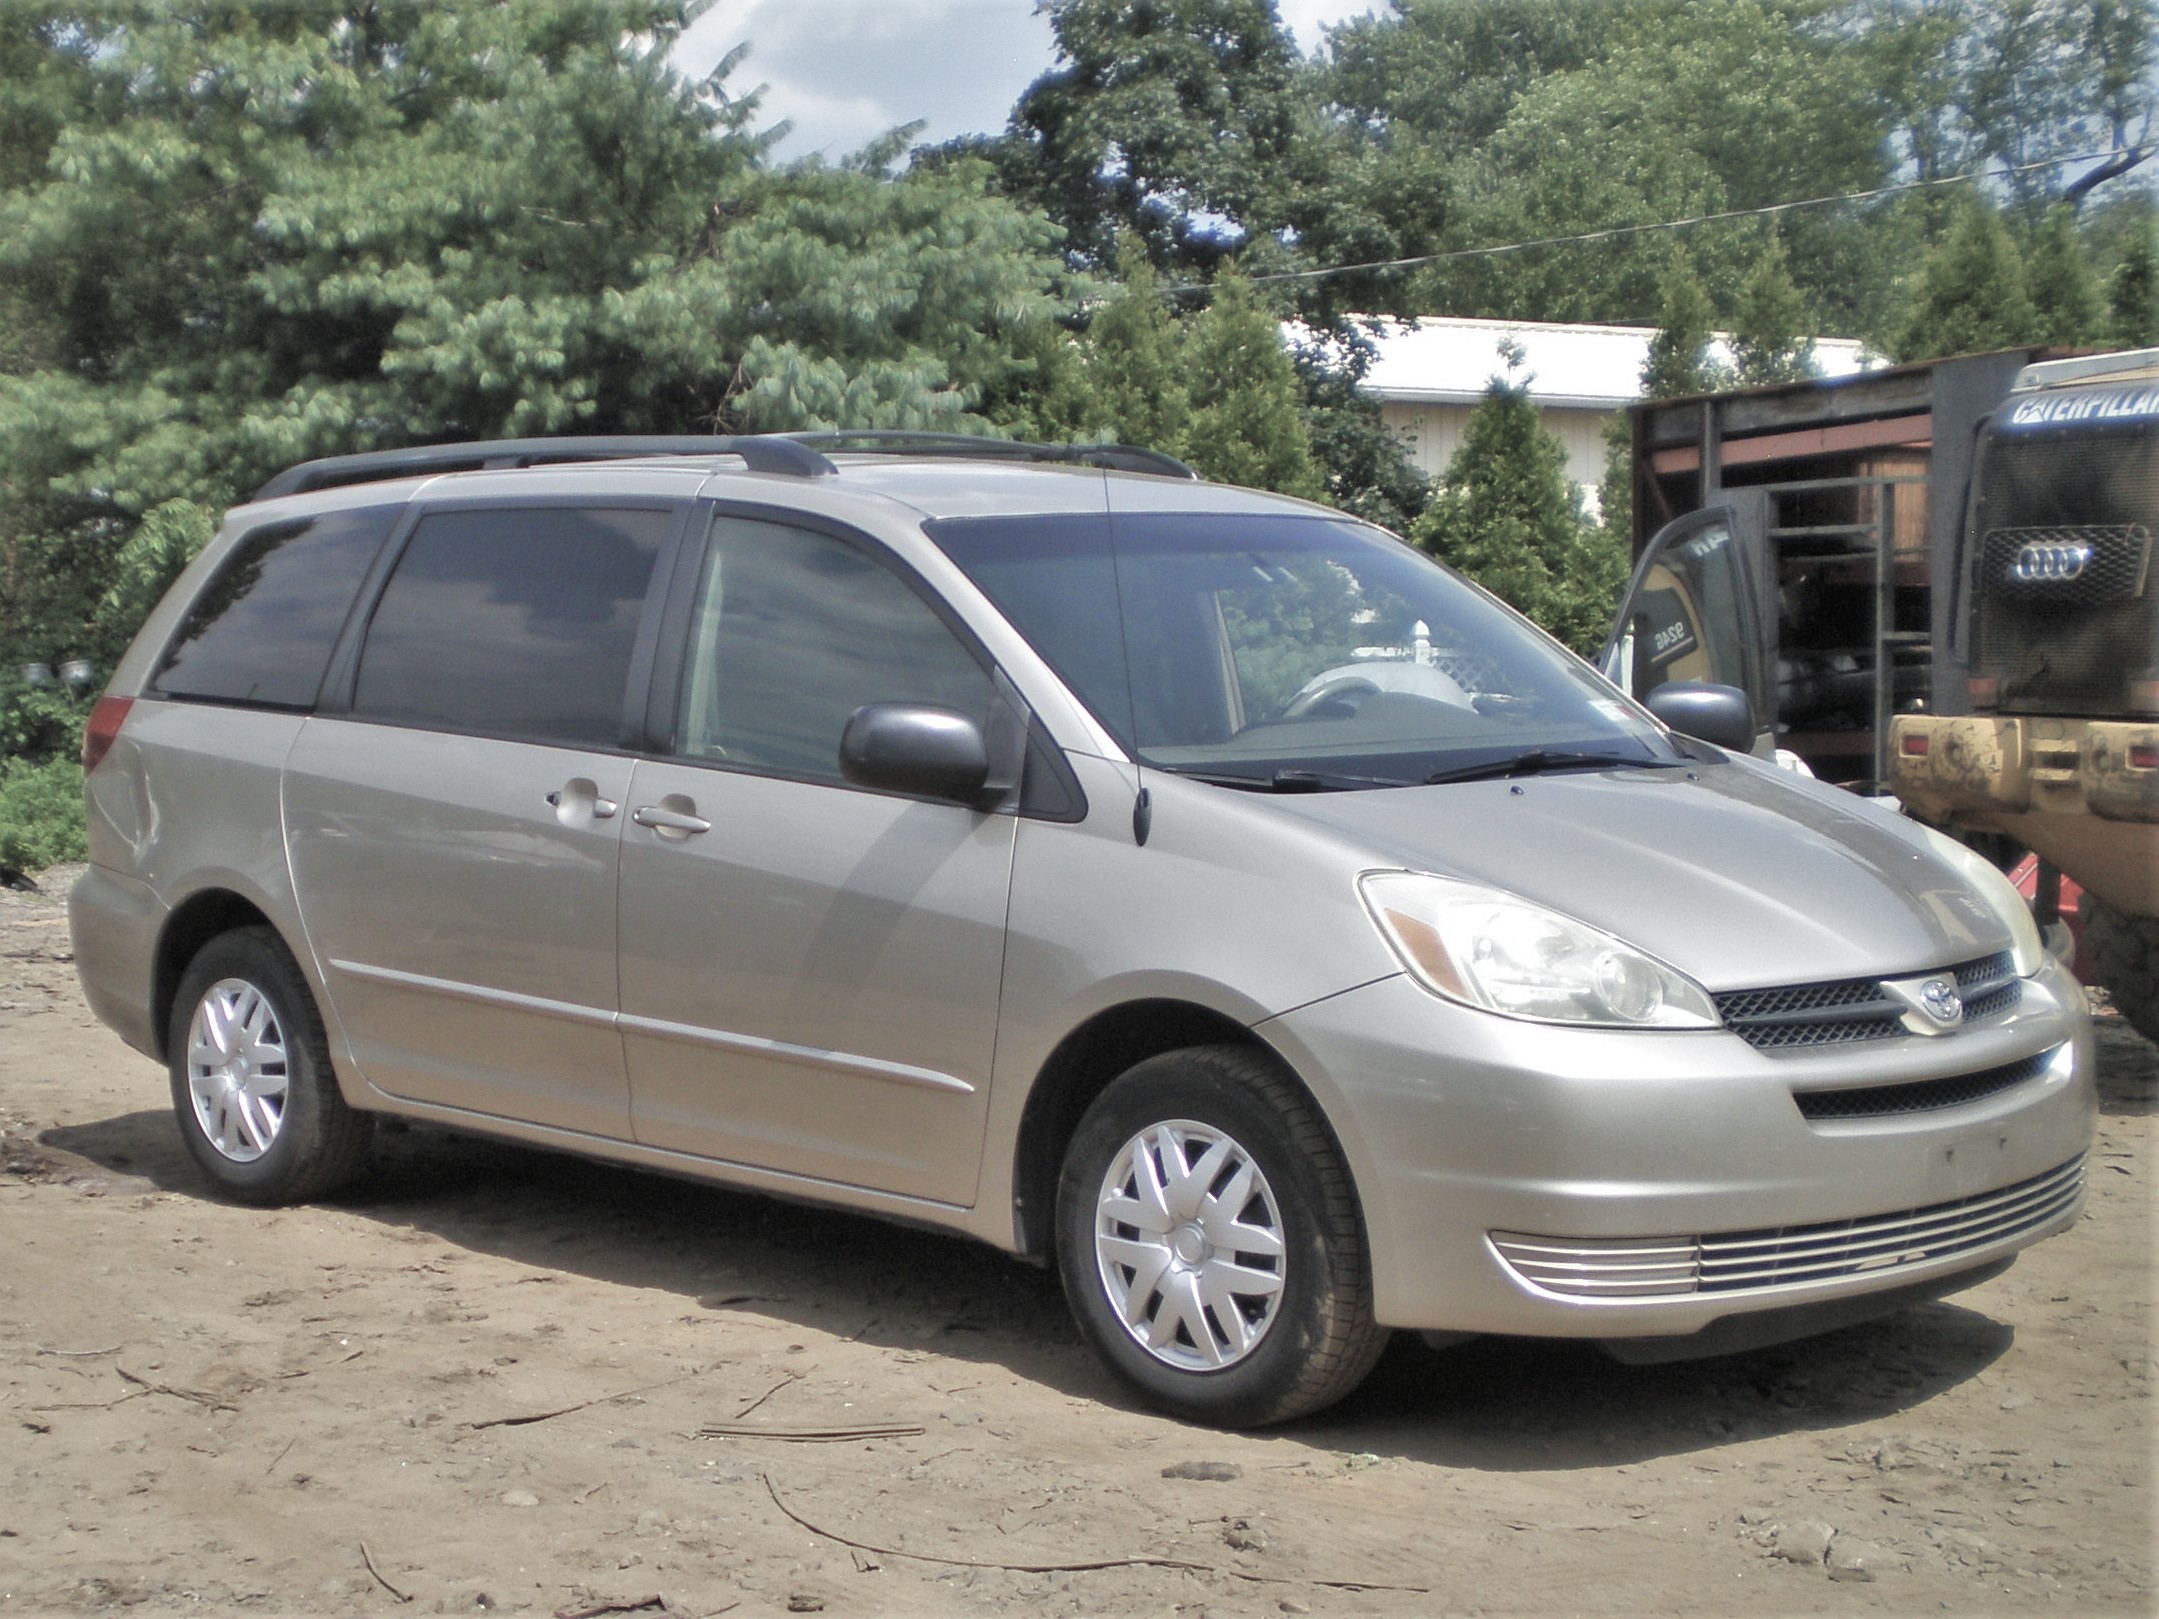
(1292, 652)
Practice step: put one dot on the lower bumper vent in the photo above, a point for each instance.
(1789, 1256)
(1922, 1096)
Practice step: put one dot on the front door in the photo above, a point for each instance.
(810, 971)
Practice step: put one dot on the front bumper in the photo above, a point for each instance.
(1468, 1133)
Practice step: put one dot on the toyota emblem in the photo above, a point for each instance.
(1939, 999)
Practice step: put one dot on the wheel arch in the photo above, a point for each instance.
(1081, 1067)
(193, 923)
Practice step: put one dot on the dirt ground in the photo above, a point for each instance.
(491, 1378)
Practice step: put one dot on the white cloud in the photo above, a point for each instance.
(1305, 18)
(845, 71)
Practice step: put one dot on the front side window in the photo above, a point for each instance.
(793, 631)
(1245, 646)
(262, 630)
(516, 623)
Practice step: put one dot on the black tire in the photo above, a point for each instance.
(278, 1147)
(1311, 1339)
(2125, 953)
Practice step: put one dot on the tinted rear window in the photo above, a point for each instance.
(262, 629)
(513, 623)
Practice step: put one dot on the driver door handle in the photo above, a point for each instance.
(663, 819)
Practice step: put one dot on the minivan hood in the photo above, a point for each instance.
(1734, 873)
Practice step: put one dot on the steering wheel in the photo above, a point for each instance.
(1333, 692)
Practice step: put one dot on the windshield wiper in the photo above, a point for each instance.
(1537, 760)
(1291, 781)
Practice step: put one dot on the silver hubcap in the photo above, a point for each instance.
(236, 1070)
(1189, 1244)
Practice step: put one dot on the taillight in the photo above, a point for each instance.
(2144, 756)
(1916, 744)
(103, 729)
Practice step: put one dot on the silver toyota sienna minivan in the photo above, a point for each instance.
(1199, 890)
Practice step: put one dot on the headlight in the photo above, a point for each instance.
(2000, 894)
(1493, 950)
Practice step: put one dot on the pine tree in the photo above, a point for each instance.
(1136, 363)
(1247, 424)
(1771, 338)
(1678, 362)
(2058, 279)
(1972, 295)
(1508, 518)
(1615, 493)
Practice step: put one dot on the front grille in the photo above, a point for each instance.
(1989, 985)
(2062, 565)
(1920, 1096)
(1796, 1016)
(1790, 1256)
(2065, 615)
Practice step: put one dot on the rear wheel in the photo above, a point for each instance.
(258, 1104)
(1210, 1244)
(2125, 952)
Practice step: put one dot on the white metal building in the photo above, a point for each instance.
(1429, 374)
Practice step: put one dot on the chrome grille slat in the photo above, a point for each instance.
(1791, 1256)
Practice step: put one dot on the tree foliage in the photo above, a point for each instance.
(2066, 305)
(1506, 516)
(236, 236)
(1678, 362)
(1971, 294)
(1772, 340)
(1164, 120)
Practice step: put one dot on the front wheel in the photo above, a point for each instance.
(258, 1104)
(1210, 1245)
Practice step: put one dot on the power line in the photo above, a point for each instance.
(1612, 232)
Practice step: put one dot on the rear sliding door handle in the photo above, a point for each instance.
(673, 820)
(578, 801)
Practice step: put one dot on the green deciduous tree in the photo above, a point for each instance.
(1165, 119)
(2133, 298)
(234, 236)
(1682, 111)
(1506, 516)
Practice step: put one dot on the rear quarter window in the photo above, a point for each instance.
(261, 631)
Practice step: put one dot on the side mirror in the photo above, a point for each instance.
(915, 748)
(1701, 708)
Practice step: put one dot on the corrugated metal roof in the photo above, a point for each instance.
(1445, 360)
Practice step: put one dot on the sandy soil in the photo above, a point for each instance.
(490, 1378)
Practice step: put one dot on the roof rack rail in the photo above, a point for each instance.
(760, 452)
(902, 441)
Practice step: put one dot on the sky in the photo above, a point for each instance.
(845, 71)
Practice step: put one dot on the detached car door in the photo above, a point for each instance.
(454, 832)
(1693, 611)
(810, 970)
